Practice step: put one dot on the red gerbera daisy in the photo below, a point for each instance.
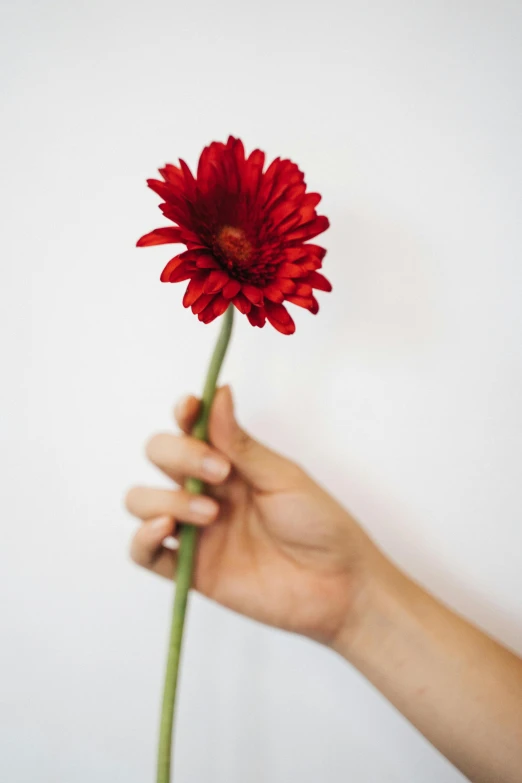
(246, 234)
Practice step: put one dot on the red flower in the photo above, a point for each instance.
(246, 234)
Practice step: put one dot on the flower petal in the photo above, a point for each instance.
(173, 175)
(308, 230)
(229, 168)
(200, 304)
(195, 255)
(306, 214)
(311, 199)
(207, 261)
(257, 316)
(172, 265)
(286, 284)
(206, 176)
(284, 214)
(280, 318)
(209, 313)
(308, 302)
(242, 303)
(239, 156)
(274, 293)
(216, 280)
(190, 182)
(194, 290)
(311, 263)
(291, 270)
(254, 294)
(267, 181)
(219, 305)
(296, 253)
(176, 210)
(301, 301)
(161, 236)
(183, 272)
(317, 280)
(253, 172)
(231, 289)
(163, 189)
(277, 180)
(315, 250)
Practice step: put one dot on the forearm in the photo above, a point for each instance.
(461, 689)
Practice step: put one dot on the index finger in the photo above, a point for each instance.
(186, 413)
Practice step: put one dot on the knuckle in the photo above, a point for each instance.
(151, 445)
(202, 451)
(184, 406)
(130, 498)
(243, 441)
(156, 444)
(178, 411)
(136, 553)
(296, 473)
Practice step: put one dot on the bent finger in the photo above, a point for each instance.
(186, 412)
(148, 502)
(183, 456)
(148, 551)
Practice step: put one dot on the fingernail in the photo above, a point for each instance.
(202, 507)
(160, 522)
(171, 542)
(215, 468)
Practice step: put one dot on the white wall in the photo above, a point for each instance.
(402, 396)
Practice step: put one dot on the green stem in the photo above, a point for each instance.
(185, 562)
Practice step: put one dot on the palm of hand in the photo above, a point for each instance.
(280, 556)
(281, 550)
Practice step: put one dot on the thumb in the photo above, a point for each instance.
(263, 468)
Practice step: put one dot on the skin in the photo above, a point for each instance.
(276, 547)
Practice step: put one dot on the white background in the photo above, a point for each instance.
(403, 395)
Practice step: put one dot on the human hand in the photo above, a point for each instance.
(273, 544)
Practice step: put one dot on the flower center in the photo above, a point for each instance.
(234, 245)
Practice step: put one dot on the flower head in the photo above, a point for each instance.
(246, 231)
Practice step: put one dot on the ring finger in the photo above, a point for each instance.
(148, 502)
(147, 548)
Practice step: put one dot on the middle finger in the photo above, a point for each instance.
(180, 456)
(149, 503)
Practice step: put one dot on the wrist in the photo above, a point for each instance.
(383, 596)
